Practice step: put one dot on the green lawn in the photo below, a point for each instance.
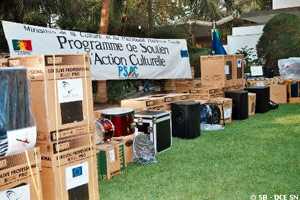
(257, 156)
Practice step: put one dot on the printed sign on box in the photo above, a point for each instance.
(18, 193)
(70, 90)
(77, 175)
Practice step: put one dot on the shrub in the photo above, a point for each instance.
(280, 39)
(194, 54)
(249, 57)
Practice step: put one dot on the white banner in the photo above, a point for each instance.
(112, 57)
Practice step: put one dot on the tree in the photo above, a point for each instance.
(280, 39)
(104, 16)
(150, 17)
(205, 9)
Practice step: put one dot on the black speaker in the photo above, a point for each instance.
(268, 72)
(239, 104)
(262, 98)
(186, 119)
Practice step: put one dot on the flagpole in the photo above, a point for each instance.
(214, 29)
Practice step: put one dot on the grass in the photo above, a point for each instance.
(257, 156)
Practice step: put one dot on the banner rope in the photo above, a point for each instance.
(88, 123)
(56, 125)
(31, 173)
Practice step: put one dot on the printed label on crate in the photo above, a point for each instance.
(111, 154)
(18, 193)
(227, 69)
(239, 63)
(70, 90)
(77, 175)
(19, 140)
(227, 113)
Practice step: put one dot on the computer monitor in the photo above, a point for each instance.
(256, 71)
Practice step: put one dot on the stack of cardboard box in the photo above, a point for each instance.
(62, 103)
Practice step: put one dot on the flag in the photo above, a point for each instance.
(22, 45)
(216, 45)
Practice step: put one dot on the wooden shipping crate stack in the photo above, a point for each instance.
(170, 86)
(206, 93)
(181, 85)
(144, 103)
(155, 102)
(185, 86)
(62, 104)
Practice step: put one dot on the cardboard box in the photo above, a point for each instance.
(65, 97)
(217, 70)
(143, 103)
(3, 62)
(110, 158)
(251, 103)
(69, 169)
(128, 146)
(224, 104)
(20, 177)
(278, 93)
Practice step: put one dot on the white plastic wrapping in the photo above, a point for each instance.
(210, 117)
(289, 68)
(17, 126)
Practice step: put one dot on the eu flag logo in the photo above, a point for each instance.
(77, 171)
(184, 54)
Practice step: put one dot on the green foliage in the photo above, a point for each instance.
(194, 54)
(256, 156)
(79, 15)
(205, 9)
(249, 57)
(36, 18)
(280, 39)
(167, 33)
(116, 90)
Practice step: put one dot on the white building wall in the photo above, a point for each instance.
(242, 37)
(277, 4)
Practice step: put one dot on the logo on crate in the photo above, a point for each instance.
(128, 72)
(21, 192)
(77, 171)
(70, 90)
(22, 47)
(11, 195)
